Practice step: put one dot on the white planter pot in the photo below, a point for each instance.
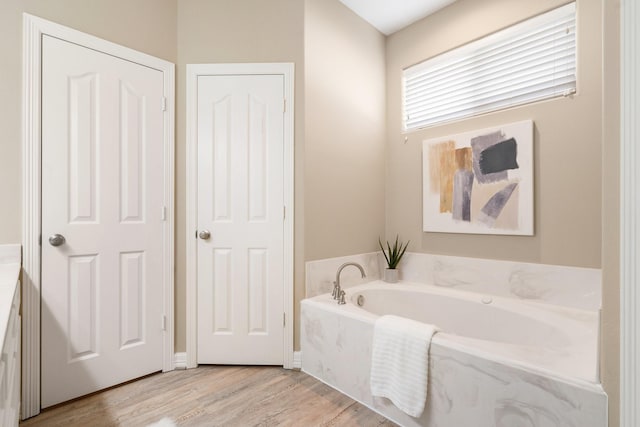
(391, 275)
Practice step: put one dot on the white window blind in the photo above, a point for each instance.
(527, 62)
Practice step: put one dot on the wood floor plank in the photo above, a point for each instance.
(215, 396)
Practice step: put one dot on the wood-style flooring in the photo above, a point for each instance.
(215, 396)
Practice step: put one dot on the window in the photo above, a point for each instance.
(527, 62)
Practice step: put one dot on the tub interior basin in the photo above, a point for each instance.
(554, 338)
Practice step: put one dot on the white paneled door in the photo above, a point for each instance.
(102, 195)
(240, 209)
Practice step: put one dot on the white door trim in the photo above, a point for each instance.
(629, 211)
(193, 71)
(33, 30)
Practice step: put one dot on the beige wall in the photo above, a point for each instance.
(340, 126)
(340, 118)
(145, 25)
(344, 131)
(576, 200)
(610, 343)
(347, 187)
(218, 31)
(567, 145)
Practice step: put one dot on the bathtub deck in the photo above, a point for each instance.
(215, 396)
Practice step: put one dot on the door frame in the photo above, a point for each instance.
(193, 72)
(34, 29)
(629, 211)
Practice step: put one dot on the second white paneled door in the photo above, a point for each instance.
(240, 211)
(102, 220)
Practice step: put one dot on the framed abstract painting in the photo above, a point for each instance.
(480, 182)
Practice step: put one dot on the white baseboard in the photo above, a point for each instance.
(297, 360)
(180, 360)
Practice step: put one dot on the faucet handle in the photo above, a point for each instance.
(341, 300)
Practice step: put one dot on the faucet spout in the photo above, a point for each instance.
(347, 264)
(336, 285)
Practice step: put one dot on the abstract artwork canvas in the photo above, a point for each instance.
(480, 182)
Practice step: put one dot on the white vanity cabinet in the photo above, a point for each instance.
(10, 366)
(9, 335)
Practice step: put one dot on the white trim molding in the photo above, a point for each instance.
(34, 29)
(193, 72)
(629, 214)
(32, 48)
(297, 360)
(180, 360)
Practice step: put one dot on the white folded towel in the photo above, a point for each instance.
(400, 362)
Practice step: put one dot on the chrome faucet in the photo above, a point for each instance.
(338, 293)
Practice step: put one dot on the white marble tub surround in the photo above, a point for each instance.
(481, 377)
(10, 261)
(321, 274)
(553, 284)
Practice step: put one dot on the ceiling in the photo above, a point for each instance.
(389, 16)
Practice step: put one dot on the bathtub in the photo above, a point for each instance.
(496, 362)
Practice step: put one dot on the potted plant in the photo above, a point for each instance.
(393, 255)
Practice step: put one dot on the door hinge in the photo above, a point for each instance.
(284, 319)
(164, 213)
(164, 323)
(164, 103)
(284, 213)
(284, 105)
(40, 240)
